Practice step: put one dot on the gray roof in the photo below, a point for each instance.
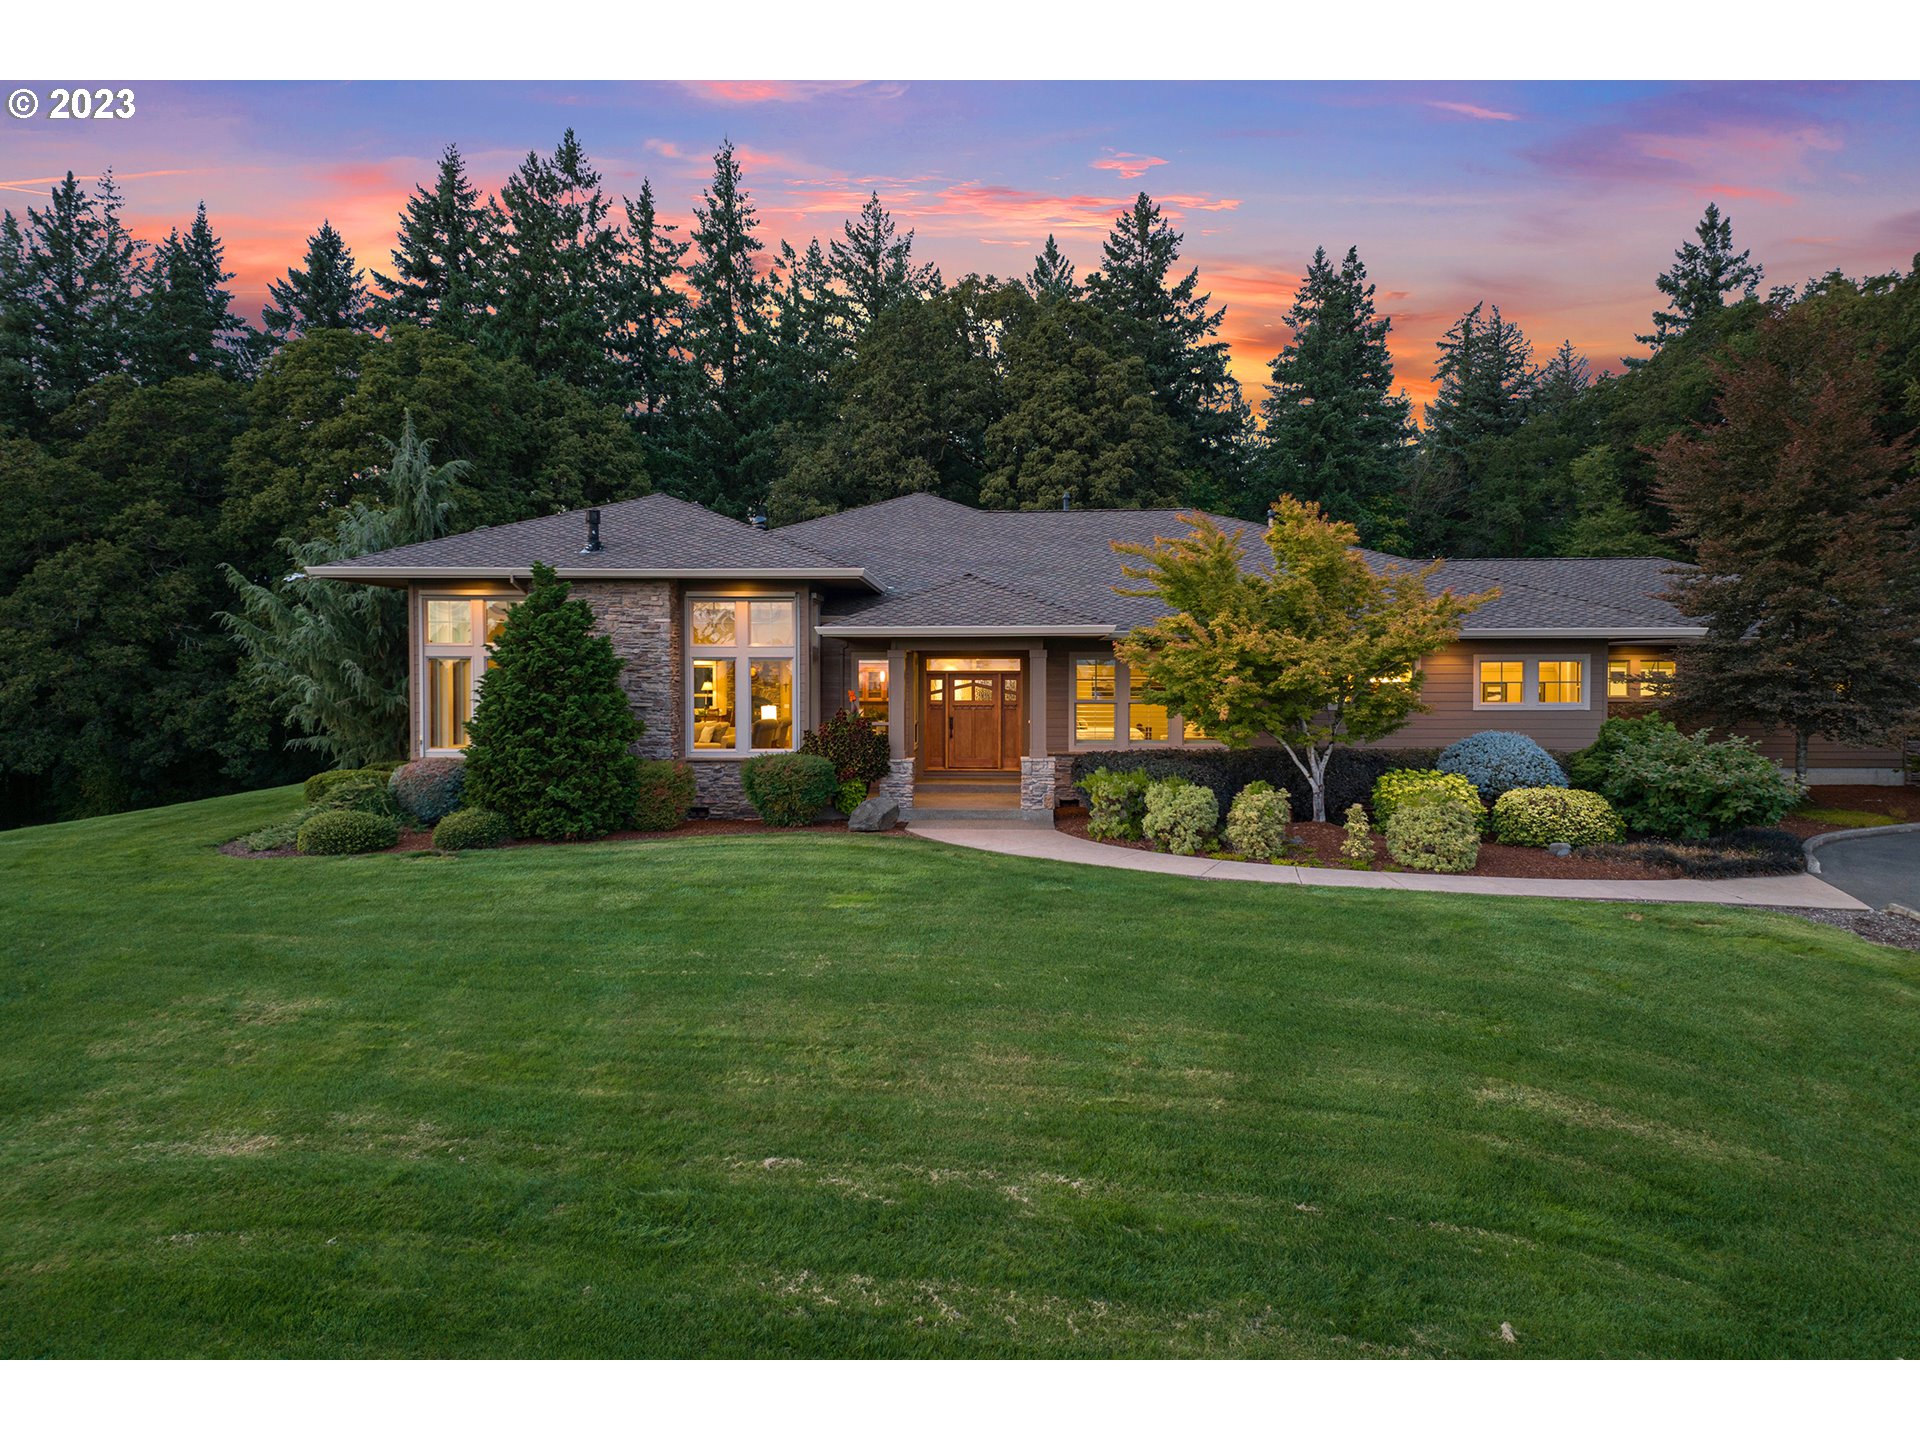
(938, 565)
(655, 535)
(920, 549)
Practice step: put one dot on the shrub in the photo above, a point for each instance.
(1181, 816)
(666, 794)
(1687, 787)
(1357, 848)
(346, 832)
(472, 829)
(789, 789)
(1116, 803)
(1351, 771)
(852, 793)
(1497, 761)
(281, 833)
(318, 786)
(1257, 823)
(429, 789)
(1733, 856)
(552, 730)
(1588, 769)
(1433, 835)
(365, 792)
(1542, 817)
(1398, 788)
(851, 745)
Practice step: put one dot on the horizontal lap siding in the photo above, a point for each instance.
(1449, 689)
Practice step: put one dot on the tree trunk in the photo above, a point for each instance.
(1318, 779)
(1800, 756)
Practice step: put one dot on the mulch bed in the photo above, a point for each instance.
(1322, 844)
(421, 841)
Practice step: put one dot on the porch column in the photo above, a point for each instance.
(898, 785)
(1036, 765)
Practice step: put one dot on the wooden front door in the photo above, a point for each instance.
(974, 720)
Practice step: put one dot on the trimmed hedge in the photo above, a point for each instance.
(790, 789)
(1399, 788)
(430, 789)
(472, 829)
(1350, 771)
(347, 832)
(1497, 761)
(1181, 816)
(1543, 817)
(666, 794)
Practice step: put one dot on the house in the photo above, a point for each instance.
(981, 641)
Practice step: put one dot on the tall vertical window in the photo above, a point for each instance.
(458, 633)
(870, 692)
(742, 659)
(1095, 699)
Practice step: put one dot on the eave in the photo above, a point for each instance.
(1590, 632)
(855, 631)
(397, 575)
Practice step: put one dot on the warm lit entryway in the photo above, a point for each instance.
(973, 709)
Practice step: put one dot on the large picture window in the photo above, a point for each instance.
(742, 658)
(1632, 678)
(1111, 707)
(458, 632)
(1529, 682)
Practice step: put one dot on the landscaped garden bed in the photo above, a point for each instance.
(417, 841)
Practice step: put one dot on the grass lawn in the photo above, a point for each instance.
(869, 1096)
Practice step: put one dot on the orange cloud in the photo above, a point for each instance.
(1472, 112)
(762, 92)
(1126, 164)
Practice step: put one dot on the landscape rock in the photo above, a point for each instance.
(876, 812)
(1559, 847)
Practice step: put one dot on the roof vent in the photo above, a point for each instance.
(592, 547)
(758, 519)
(1066, 498)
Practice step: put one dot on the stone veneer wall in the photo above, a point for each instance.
(897, 785)
(1037, 779)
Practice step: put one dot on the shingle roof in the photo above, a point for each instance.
(972, 603)
(655, 534)
(920, 545)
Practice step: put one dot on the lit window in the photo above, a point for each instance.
(1190, 729)
(1147, 716)
(1632, 679)
(870, 692)
(1095, 696)
(457, 634)
(1560, 682)
(736, 644)
(1502, 682)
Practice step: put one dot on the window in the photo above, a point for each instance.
(870, 692)
(1629, 678)
(736, 644)
(457, 632)
(1095, 697)
(1529, 682)
(1147, 716)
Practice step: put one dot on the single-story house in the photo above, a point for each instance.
(981, 641)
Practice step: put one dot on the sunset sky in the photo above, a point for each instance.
(1559, 202)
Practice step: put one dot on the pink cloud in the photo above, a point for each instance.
(1126, 164)
(1472, 112)
(762, 92)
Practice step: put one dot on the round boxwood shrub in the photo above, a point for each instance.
(430, 789)
(1181, 816)
(1257, 822)
(1433, 835)
(1116, 803)
(789, 789)
(1497, 761)
(472, 829)
(346, 832)
(1542, 817)
(552, 734)
(1397, 788)
(667, 792)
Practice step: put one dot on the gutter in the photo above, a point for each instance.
(402, 574)
(1586, 632)
(960, 632)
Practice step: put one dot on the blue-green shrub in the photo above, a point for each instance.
(1497, 761)
(429, 789)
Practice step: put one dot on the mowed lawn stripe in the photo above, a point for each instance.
(813, 1095)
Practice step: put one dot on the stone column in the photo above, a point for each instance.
(1036, 766)
(897, 785)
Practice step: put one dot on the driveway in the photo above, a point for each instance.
(1879, 869)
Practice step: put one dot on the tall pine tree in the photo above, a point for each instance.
(442, 267)
(875, 266)
(189, 327)
(1705, 271)
(1052, 275)
(1486, 380)
(1335, 431)
(328, 294)
(1170, 325)
(650, 315)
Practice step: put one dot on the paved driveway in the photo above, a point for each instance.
(1879, 869)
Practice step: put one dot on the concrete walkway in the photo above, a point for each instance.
(1033, 842)
(1880, 866)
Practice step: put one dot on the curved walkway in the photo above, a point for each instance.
(1034, 842)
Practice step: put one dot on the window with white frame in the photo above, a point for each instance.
(458, 633)
(1113, 707)
(1529, 682)
(1631, 677)
(741, 658)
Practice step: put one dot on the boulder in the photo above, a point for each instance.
(1560, 847)
(876, 812)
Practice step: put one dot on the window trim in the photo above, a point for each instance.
(743, 652)
(1635, 682)
(1530, 664)
(476, 650)
(1177, 737)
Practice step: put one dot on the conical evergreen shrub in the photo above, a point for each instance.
(551, 734)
